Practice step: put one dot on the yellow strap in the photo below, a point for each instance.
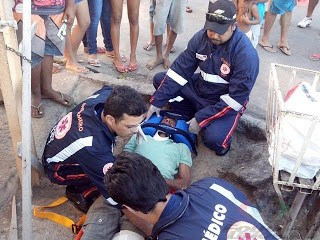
(67, 222)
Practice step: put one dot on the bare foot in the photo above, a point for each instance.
(155, 63)
(76, 67)
(166, 63)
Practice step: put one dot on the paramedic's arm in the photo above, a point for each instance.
(184, 181)
(138, 222)
(131, 145)
(240, 86)
(95, 167)
(179, 73)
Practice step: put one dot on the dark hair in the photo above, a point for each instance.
(124, 100)
(135, 181)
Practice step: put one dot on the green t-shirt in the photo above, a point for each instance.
(166, 155)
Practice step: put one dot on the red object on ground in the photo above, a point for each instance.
(79, 235)
(303, 3)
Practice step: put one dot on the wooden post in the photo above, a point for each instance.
(11, 85)
(9, 99)
(13, 232)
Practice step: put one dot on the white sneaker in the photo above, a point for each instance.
(305, 22)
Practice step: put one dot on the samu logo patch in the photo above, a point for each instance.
(63, 126)
(225, 69)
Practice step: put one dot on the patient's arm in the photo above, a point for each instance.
(184, 178)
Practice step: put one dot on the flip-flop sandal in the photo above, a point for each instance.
(78, 69)
(267, 48)
(123, 57)
(173, 49)
(148, 46)
(62, 99)
(94, 62)
(132, 66)
(121, 69)
(39, 113)
(315, 57)
(99, 49)
(285, 50)
(188, 10)
(56, 69)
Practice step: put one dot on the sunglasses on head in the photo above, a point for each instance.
(213, 17)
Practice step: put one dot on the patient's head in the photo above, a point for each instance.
(169, 121)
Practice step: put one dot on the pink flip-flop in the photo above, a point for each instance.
(132, 66)
(315, 57)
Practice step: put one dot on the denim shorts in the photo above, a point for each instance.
(49, 50)
(77, 1)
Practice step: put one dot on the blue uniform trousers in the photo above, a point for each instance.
(217, 134)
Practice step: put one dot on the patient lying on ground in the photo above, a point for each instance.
(170, 158)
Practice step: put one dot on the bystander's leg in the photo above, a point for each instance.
(265, 40)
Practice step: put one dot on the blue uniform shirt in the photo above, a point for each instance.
(211, 209)
(80, 137)
(227, 75)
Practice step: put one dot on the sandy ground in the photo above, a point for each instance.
(244, 152)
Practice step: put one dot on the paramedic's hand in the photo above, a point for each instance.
(140, 136)
(153, 109)
(194, 127)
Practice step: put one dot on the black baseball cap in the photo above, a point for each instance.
(220, 16)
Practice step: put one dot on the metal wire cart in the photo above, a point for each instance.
(280, 118)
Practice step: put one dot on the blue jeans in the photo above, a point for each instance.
(100, 10)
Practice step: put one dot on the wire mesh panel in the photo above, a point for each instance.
(293, 129)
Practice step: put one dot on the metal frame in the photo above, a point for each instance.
(276, 112)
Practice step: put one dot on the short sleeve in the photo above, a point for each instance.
(185, 154)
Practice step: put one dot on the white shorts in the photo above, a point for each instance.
(251, 37)
(167, 11)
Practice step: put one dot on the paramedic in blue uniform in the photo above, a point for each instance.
(210, 209)
(215, 98)
(79, 149)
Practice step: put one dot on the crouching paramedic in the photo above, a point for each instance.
(215, 98)
(210, 209)
(170, 158)
(79, 149)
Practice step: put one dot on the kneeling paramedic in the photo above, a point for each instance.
(209, 209)
(215, 98)
(79, 149)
